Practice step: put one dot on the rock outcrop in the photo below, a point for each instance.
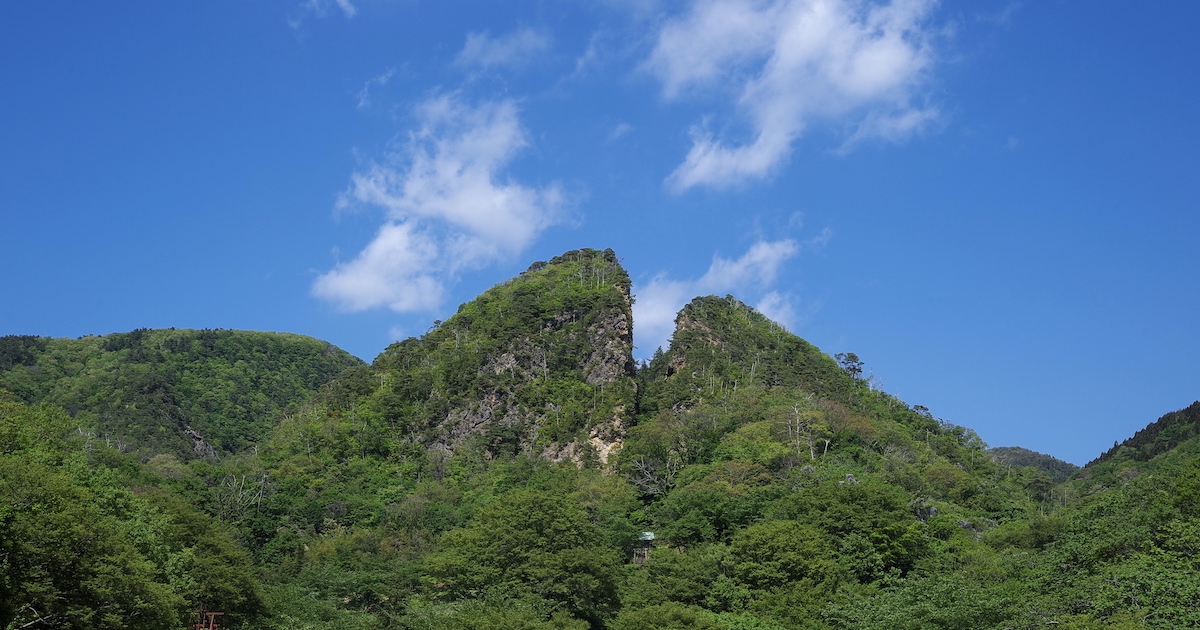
(540, 365)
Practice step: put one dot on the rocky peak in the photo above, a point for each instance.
(540, 364)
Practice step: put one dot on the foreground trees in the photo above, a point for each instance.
(531, 543)
(79, 549)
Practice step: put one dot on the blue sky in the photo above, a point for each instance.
(993, 203)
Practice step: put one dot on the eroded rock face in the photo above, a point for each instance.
(540, 365)
(607, 439)
(612, 341)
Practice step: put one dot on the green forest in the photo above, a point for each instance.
(514, 467)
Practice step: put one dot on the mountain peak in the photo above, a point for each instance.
(722, 343)
(540, 364)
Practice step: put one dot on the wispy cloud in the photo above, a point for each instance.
(485, 52)
(786, 64)
(346, 7)
(320, 8)
(448, 207)
(364, 95)
(755, 271)
(619, 130)
(1003, 17)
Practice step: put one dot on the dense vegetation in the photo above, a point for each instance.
(1057, 469)
(184, 392)
(1157, 438)
(501, 470)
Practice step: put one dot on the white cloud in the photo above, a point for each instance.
(395, 270)
(484, 51)
(660, 300)
(777, 308)
(785, 64)
(448, 208)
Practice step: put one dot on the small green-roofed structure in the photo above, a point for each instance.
(641, 552)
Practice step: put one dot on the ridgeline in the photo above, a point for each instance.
(515, 468)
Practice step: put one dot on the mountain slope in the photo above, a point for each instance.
(736, 369)
(720, 344)
(539, 365)
(1158, 437)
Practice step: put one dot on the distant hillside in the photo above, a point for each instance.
(1122, 543)
(1158, 437)
(185, 392)
(1016, 456)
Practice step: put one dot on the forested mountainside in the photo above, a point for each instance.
(1016, 456)
(513, 468)
(1158, 437)
(190, 393)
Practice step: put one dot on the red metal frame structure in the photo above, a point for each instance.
(206, 620)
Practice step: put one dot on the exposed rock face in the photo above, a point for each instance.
(200, 445)
(611, 340)
(540, 365)
(607, 439)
